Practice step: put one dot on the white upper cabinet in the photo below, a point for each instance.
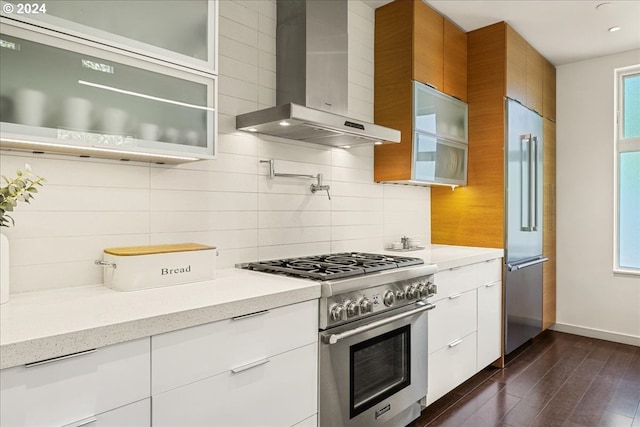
(182, 32)
(64, 94)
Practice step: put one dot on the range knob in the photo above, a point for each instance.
(422, 290)
(400, 295)
(366, 306)
(353, 309)
(432, 289)
(336, 312)
(389, 298)
(412, 292)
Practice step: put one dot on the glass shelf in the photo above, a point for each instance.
(439, 161)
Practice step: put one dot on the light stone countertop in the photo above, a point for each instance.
(40, 325)
(36, 326)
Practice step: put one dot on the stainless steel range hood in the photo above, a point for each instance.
(312, 74)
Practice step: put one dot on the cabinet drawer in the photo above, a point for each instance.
(281, 392)
(450, 367)
(136, 414)
(489, 271)
(456, 280)
(188, 355)
(452, 319)
(67, 390)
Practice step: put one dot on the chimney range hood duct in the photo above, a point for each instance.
(312, 80)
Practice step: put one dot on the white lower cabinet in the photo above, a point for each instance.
(489, 323)
(451, 366)
(465, 328)
(276, 391)
(309, 422)
(256, 370)
(77, 387)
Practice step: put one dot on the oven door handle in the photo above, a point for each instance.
(334, 338)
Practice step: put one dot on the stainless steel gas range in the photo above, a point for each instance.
(373, 334)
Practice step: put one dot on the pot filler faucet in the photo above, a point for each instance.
(314, 187)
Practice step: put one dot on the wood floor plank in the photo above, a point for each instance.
(559, 380)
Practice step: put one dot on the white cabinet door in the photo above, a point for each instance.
(452, 319)
(273, 392)
(489, 271)
(136, 414)
(451, 366)
(66, 390)
(489, 323)
(188, 355)
(309, 422)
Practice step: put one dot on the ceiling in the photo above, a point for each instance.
(563, 31)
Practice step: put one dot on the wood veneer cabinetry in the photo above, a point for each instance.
(500, 63)
(549, 224)
(412, 42)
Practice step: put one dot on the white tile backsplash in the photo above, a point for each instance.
(91, 204)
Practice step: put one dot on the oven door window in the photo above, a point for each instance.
(380, 367)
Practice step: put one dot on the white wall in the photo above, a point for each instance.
(90, 204)
(591, 299)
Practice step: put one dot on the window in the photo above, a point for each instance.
(627, 170)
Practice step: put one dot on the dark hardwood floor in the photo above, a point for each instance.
(559, 380)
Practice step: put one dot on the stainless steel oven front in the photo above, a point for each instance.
(373, 371)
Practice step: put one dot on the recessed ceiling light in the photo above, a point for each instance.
(283, 123)
(377, 143)
(346, 146)
(614, 29)
(602, 6)
(252, 130)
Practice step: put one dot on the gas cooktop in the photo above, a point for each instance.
(333, 266)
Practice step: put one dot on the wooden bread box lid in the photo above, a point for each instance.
(157, 249)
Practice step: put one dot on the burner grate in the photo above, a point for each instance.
(333, 266)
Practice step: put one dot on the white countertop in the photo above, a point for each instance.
(40, 325)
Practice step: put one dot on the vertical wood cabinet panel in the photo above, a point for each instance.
(535, 63)
(516, 83)
(549, 225)
(428, 45)
(455, 61)
(548, 90)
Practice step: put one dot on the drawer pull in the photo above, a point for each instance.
(491, 284)
(246, 316)
(84, 422)
(455, 343)
(455, 296)
(250, 365)
(55, 359)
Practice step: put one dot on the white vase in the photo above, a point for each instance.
(4, 268)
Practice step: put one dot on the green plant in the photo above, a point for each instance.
(19, 189)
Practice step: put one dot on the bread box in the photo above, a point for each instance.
(143, 267)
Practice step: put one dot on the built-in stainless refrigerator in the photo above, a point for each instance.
(523, 230)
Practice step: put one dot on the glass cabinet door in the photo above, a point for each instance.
(58, 91)
(439, 161)
(439, 114)
(178, 31)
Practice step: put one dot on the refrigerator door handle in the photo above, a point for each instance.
(515, 267)
(526, 184)
(534, 180)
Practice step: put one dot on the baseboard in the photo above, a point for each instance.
(597, 333)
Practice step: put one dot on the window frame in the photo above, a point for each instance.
(621, 145)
